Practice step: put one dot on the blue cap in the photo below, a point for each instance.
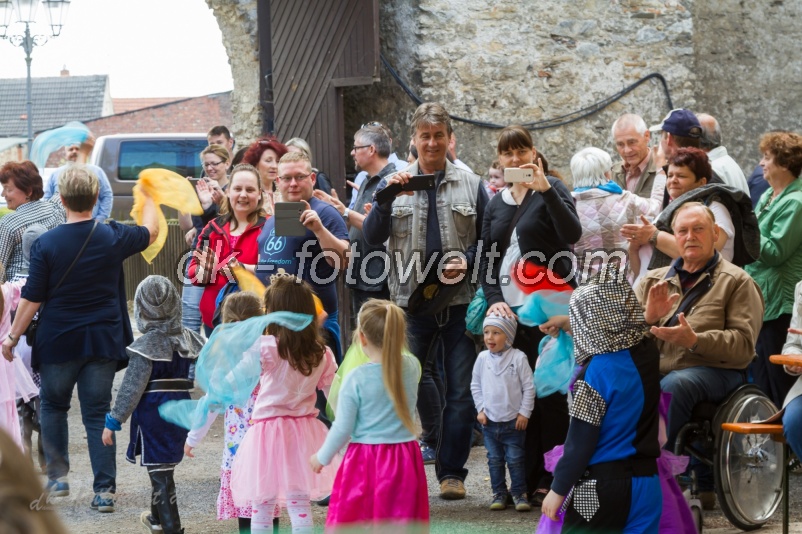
(681, 122)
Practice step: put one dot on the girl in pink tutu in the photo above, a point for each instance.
(13, 368)
(381, 482)
(270, 467)
(236, 307)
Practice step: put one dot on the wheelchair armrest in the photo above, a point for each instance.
(773, 429)
(786, 359)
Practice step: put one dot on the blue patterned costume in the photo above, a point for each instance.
(612, 447)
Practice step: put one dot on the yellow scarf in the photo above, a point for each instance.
(166, 188)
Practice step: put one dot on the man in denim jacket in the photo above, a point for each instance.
(438, 228)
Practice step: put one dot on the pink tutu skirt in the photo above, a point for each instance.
(272, 462)
(380, 485)
(9, 419)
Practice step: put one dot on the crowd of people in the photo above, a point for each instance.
(660, 269)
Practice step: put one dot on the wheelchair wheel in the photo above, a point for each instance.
(748, 468)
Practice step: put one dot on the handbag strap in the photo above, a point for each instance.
(505, 242)
(80, 252)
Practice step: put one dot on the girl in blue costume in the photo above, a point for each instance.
(612, 447)
(158, 372)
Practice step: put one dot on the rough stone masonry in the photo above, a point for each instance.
(523, 61)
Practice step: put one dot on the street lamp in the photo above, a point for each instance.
(26, 14)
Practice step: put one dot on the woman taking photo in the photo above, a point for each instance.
(76, 282)
(547, 225)
(231, 235)
(264, 154)
(779, 214)
(22, 189)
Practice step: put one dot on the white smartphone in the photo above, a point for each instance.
(513, 175)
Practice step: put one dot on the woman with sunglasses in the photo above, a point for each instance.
(264, 155)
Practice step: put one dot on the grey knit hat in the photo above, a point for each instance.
(508, 325)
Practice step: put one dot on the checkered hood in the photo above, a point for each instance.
(605, 314)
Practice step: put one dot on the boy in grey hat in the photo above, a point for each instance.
(504, 394)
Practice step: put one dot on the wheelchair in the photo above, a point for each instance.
(748, 469)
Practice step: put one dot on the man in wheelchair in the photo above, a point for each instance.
(705, 314)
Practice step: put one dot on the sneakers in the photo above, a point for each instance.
(429, 455)
(499, 502)
(103, 502)
(521, 503)
(708, 500)
(149, 523)
(58, 488)
(452, 489)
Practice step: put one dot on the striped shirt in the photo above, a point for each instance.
(13, 225)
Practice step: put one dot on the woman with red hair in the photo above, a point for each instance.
(264, 155)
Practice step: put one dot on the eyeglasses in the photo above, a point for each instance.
(373, 123)
(357, 147)
(299, 178)
(209, 164)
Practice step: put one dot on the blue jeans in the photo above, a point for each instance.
(94, 378)
(445, 404)
(792, 425)
(689, 387)
(505, 444)
(190, 307)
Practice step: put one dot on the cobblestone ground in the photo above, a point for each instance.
(198, 482)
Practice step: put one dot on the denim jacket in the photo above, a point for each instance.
(456, 213)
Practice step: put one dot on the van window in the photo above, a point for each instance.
(179, 156)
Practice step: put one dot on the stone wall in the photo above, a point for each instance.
(747, 55)
(509, 62)
(514, 61)
(237, 21)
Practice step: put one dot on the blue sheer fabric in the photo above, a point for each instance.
(72, 133)
(228, 367)
(555, 364)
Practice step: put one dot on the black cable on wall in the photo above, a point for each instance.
(555, 122)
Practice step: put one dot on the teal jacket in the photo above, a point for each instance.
(780, 265)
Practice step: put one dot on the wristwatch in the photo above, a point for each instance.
(346, 213)
(13, 339)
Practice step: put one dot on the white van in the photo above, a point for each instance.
(124, 156)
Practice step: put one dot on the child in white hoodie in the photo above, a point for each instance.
(504, 394)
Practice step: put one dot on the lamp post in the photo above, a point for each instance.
(25, 11)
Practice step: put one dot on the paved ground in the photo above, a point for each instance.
(198, 482)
